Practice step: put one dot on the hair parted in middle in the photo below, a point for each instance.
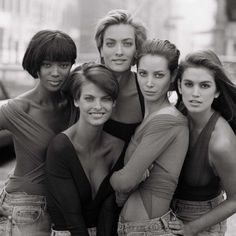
(95, 73)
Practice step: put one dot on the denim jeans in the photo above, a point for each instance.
(152, 227)
(190, 210)
(26, 215)
(91, 231)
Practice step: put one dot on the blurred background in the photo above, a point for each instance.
(190, 24)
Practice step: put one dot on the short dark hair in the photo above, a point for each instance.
(95, 73)
(225, 104)
(52, 45)
(163, 48)
(117, 17)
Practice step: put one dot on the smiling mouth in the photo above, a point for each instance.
(97, 114)
(55, 83)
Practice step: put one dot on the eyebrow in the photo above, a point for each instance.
(204, 81)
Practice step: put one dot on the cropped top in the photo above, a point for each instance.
(198, 181)
(163, 142)
(122, 130)
(31, 139)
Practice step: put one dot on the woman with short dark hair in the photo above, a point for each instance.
(34, 118)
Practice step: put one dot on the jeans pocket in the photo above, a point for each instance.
(26, 214)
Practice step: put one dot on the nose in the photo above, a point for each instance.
(119, 49)
(98, 104)
(55, 71)
(150, 82)
(195, 91)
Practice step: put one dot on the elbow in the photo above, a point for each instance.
(121, 183)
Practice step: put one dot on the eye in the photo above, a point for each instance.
(128, 44)
(159, 75)
(88, 98)
(107, 99)
(65, 65)
(188, 84)
(142, 73)
(110, 44)
(46, 64)
(205, 85)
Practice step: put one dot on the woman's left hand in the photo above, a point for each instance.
(179, 228)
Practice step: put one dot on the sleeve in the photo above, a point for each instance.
(108, 217)
(156, 138)
(63, 198)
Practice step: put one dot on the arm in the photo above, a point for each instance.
(154, 141)
(108, 217)
(223, 159)
(63, 198)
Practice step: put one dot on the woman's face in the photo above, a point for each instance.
(52, 74)
(118, 47)
(95, 105)
(198, 89)
(154, 77)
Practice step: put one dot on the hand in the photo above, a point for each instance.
(121, 198)
(179, 228)
(147, 173)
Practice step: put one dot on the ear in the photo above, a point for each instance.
(76, 102)
(179, 86)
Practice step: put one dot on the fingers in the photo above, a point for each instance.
(177, 227)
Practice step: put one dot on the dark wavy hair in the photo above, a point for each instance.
(95, 73)
(225, 104)
(52, 45)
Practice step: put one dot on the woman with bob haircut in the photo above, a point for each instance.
(34, 118)
(81, 159)
(160, 141)
(209, 99)
(118, 37)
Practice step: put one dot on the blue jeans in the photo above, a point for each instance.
(26, 215)
(91, 231)
(152, 227)
(190, 210)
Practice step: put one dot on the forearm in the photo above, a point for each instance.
(213, 217)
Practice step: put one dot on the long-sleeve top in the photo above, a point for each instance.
(70, 200)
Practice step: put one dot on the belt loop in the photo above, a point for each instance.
(165, 223)
(3, 196)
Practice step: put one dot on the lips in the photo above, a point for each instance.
(119, 61)
(195, 102)
(54, 83)
(97, 115)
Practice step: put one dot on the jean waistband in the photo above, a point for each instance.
(212, 202)
(150, 224)
(21, 198)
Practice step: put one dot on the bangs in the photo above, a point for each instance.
(58, 50)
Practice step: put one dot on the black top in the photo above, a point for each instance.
(69, 197)
(121, 130)
(198, 181)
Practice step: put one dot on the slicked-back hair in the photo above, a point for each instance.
(117, 17)
(225, 104)
(52, 45)
(95, 73)
(160, 48)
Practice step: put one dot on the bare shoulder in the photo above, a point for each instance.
(222, 144)
(112, 141)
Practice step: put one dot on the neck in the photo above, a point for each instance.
(122, 77)
(151, 107)
(87, 137)
(49, 98)
(199, 120)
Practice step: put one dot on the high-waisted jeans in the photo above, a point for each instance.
(190, 210)
(91, 231)
(153, 227)
(26, 215)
